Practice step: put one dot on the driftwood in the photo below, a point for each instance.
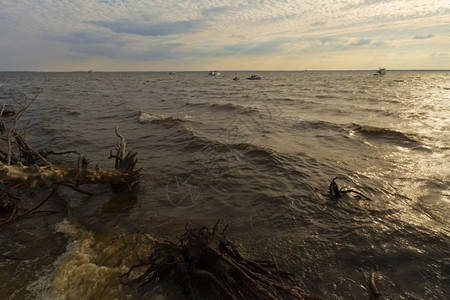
(36, 176)
(336, 192)
(22, 167)
(208, 266)
(374, 292)
(20, 176)
(33, 169)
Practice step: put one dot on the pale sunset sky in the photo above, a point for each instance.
(169, 35)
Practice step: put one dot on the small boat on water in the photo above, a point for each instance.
(236, 78)
(380, 71)
(254, 77)
(172, 73)
(213, 73)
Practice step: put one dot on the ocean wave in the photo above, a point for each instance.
(91, 265)
(195, 104)
(194, 141)
(385, 135)
(232, 107)
(258, 154)
(324, 96)
(294, 100)
(209, 148)
(317, 125)
(148, 118)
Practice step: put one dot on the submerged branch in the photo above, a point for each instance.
(12, 219)
(336, 192)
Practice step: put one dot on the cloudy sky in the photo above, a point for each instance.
(141, 35)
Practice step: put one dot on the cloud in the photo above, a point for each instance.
(175, 45)
(440, 55)
(361, 42)
(150, 29)
(365, 3)
(83, 37)
(155, 52)
(110, 2)
(423, 37)
(237, 36)
(215, 11)
(272, 46)
(321, 24)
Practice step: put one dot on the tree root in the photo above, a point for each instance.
(208, 266)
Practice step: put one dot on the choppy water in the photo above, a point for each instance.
(259, 155)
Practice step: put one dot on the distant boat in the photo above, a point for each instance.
(236, 78)
(254, 77)
(380, 71)
(213, 73)
(172, 73)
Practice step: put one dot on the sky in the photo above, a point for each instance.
(176, 35)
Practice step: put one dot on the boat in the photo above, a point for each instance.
(254, 77)
(172, 73)
(380, 71)
(236, 78)
(213, 73)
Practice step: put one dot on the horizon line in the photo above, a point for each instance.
(160, 71)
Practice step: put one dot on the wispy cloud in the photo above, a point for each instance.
(84, 37)
(361, 42)
(150, 28)
(423, 37)
(180, 31)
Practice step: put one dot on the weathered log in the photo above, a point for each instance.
(36, 176)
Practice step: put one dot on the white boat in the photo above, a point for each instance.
(254, 77)
(214, 73)
(380, 71)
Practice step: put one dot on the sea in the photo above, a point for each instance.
(256, 155)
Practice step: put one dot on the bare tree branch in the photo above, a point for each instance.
(25, 105)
